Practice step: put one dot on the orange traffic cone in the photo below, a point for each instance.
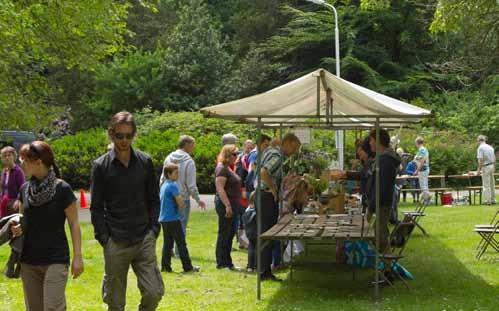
(83, 200)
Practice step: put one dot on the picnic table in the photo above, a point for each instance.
(469, 187)
(438, 191)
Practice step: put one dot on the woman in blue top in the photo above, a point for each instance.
(169, 218)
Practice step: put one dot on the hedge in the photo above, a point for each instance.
(450, 153)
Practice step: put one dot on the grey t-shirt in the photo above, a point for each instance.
(486, 152)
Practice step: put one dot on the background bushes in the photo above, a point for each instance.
(450, 152)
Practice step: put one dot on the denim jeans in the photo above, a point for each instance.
(225, 236)
(394, 209)
(172, 231)
(184, 215)
(276, 253)
(423, 182)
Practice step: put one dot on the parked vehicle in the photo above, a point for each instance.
(16, 138)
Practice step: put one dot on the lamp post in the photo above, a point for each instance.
(339, 134)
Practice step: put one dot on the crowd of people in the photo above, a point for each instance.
(129, 207)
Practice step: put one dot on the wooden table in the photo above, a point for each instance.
(319, 227)
(437, 191)
(333, 227)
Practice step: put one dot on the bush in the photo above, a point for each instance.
(450, 152)
(74, 155)
(158, 137)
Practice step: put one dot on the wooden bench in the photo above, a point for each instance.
(475, 190)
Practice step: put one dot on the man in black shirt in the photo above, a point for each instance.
(389, 162)
(124, 211)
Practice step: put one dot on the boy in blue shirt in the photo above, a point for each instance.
(169, 218)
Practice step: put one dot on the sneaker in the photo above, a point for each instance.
(251, 270)
(193, 269)
(166, 269)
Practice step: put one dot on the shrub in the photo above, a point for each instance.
(74, 155)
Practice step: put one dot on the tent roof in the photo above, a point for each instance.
(295, 104)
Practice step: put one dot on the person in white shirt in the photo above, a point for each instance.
(486, 167)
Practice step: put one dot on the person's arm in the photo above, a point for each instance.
(480, 165)
(479, 155)
(97, 205)
(179, 201)
(220, 182)
(74, 227)
(190, 181)
(153, 202)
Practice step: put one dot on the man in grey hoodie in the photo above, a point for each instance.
(186, 177)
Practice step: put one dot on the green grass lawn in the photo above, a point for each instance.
(447, 276)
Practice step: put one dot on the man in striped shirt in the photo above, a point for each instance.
(272, 160)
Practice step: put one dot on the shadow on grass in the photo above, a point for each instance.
(441, 282)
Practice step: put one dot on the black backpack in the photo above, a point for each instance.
(249, 221)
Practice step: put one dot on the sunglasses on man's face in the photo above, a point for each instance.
(121, 136)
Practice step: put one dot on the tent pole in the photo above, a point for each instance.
(281, 204)
(318, 96)
(376, 263)
(258, 218)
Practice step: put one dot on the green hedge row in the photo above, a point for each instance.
(158, 136)
(450, 153)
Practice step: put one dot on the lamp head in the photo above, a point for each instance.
(320, 2)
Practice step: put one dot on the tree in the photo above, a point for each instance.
(196, 59)
(476, 25)
(381, 49)
(37, 36)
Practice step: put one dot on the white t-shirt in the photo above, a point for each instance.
(486, 152)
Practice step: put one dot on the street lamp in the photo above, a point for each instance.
(336, 32)
(339, 134)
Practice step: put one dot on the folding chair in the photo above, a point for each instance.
(487, 234)
(398, 241)
(419, 212)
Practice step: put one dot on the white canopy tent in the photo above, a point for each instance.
(304, 102)
(320, 100)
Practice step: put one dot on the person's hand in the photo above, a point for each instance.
(416, 173)
(477, 173)
(17, 205)
(274, 194)
(337, 175)
(16, 229)
(77, 266)
(202, 205)
(228, 212)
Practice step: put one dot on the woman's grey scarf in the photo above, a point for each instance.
(42, 192)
